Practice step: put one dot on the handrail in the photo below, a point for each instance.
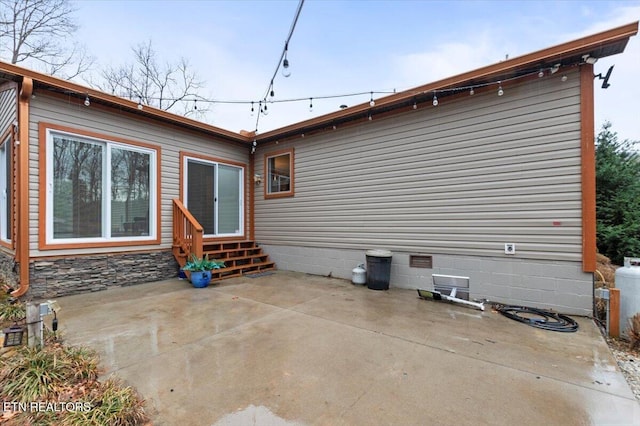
(187, 231)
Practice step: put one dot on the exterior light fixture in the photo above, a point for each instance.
(286, 71)
(13, 335)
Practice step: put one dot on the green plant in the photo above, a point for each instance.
(41, 373)
(617, 196)
(196, 263)
(12, 310)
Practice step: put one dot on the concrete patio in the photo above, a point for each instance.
(291, 348)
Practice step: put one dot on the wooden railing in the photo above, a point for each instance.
(187, 233)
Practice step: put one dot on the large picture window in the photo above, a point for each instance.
(279, 174)
(99, 190)
(5, 190)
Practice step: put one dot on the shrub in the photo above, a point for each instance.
(633, 330)
(112, 404)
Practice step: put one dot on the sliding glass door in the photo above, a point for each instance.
(213, 194)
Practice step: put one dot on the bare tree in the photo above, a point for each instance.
(170, 87)
(35, 32)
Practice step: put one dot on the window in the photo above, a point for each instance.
(99, 190)
(279, 171)
(5, 189)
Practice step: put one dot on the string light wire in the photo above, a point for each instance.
(282, 56)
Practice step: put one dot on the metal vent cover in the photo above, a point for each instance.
(421, 261)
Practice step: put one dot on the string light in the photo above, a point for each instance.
(284, 61)
(370, 117)
(286, 71)
(372, 103)
(540, 74)
(263, 109)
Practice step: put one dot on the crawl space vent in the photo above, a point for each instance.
(420, 261)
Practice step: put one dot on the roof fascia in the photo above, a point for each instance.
(551, 54)
(45, 80)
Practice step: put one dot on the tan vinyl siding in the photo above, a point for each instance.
(170, 140)
(461, 178)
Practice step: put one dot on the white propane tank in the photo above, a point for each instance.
(359, 274)
(628, 281)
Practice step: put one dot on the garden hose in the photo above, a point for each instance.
(539, 318)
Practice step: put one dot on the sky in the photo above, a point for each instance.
(345, 47)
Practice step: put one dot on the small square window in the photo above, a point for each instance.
(279, 174)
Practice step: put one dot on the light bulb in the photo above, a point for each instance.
(310, 104)
(500, 91)
(370, 117)
(286, 71)
(372, 102)
(273, 93)
(252, 109)
(540, 74)
(472, 92)
(140, 105)
(564, 78)
(415, 105)
(435, 100)
(87, 102)
(265, 111)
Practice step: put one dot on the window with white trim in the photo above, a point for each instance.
(99, 190)
(279, 171)
(5, 189)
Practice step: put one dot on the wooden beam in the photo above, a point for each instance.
(588, 168)
(614, 312)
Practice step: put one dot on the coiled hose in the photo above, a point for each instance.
(539, 318)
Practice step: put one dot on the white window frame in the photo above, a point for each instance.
(5, 195)
(269, 174)
(106, 189)
(216, 164)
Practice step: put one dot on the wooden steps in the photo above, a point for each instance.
(240, 258)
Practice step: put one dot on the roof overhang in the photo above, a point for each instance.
(598, 45)
(44, 82)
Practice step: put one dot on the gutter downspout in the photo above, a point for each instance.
(22, 240)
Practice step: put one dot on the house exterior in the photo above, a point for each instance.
(104, 193)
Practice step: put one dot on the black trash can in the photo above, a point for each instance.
(378, 269)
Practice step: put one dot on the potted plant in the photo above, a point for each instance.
(200, 269)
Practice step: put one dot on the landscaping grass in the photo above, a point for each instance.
(58, 385)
